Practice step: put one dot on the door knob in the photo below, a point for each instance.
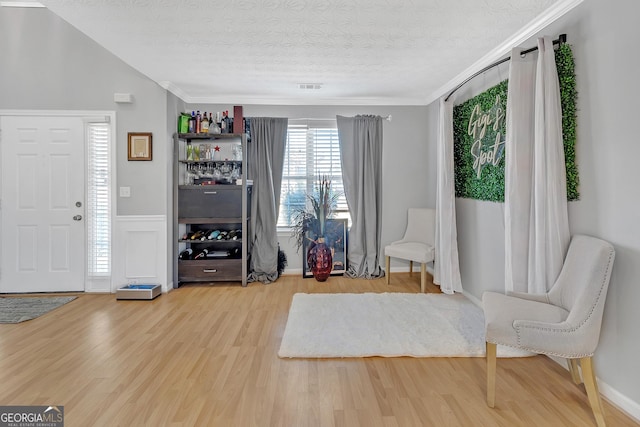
(77, 217)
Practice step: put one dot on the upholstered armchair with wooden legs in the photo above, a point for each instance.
(416, 245)
(564, 322)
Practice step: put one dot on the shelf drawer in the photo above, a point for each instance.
(210, 270)
(219, 201)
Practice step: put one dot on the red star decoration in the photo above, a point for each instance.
(216, 148)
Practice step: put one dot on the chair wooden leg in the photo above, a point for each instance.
(423, 277)
(491, 374)
(591, 386)
(573, 369)
(410, 268)
(388, 267)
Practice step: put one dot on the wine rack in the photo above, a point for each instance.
(212, 201)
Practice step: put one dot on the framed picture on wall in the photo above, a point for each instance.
(139, 146)
(336, 238)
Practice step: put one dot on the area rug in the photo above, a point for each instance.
(20, 309)
(387, 325)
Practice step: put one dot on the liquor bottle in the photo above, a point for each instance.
(202, 253)
(186, 254)
(198, 121)
(192, 122)
(223, 123)
(227, 120)
(204, 124)
(210, 122)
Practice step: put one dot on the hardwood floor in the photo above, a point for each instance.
(207, 356)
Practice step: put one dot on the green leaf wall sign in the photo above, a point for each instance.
(479, 128)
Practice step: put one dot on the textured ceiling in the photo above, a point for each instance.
(258, 51)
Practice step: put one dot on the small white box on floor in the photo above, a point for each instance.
(139, 291)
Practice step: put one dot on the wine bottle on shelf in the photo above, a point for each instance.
(202, 254)
(227, 122)
(204, 124)
(186, 254)
(187, 235)
(222, 235)
(192, 122)
(223, 123)
(211, 124)
(197, 235)
(213, 234)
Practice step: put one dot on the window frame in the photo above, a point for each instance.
(313, 163)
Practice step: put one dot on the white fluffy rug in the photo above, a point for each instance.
(387, 324)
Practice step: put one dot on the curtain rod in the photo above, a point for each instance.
(562, 38)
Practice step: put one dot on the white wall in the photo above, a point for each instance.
(604, 38)
(408, 180)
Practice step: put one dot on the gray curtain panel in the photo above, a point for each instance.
(266, 160)
(361, 153)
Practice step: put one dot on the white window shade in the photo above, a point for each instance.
(98, 204)
(312, 150)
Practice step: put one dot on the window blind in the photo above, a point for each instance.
(310, 152)
(98, 206)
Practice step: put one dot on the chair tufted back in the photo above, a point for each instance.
(582, 285)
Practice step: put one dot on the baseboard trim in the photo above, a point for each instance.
(292, 272)
(613, 396)
(619, 400)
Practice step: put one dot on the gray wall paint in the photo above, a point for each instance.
(46, 64)
(603, 36)
(408, 171)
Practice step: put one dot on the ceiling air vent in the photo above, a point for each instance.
(309, 86)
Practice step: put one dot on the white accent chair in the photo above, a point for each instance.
(564, 322)
(416, 245)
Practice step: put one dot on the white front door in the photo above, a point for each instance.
(42, 204)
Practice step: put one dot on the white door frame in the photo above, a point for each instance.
(87, 116)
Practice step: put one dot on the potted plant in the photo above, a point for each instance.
(312, 223)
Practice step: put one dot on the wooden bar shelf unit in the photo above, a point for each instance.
(211, 197)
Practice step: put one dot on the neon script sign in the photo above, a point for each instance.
(485, 149)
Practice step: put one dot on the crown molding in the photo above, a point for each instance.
(531, 29)
(173, 89)
(21, 4)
